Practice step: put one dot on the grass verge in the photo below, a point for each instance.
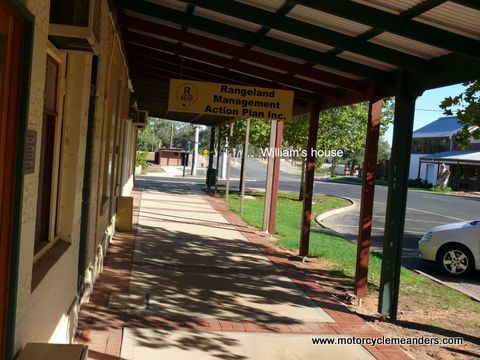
(343, 252)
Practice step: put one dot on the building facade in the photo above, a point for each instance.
(435, 145)
(67, 154)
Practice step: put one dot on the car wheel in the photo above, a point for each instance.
(456, 260)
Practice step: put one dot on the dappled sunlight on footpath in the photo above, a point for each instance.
(193, 281)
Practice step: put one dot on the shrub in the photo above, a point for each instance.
(441, 189)
(419, 183)
(141, 160)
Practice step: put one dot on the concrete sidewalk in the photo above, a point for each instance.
(192, 281)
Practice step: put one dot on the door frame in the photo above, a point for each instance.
(19, 88)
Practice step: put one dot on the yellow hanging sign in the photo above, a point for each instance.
(230, 100)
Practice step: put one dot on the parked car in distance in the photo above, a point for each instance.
(454, 247)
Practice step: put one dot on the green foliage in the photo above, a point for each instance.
(343, 128)
(295, 132)
(453, 180)
(415, 286)
(419, 183)
(167, 133)
(259, 136)
(380, 171)
(288, 206)
(141, 160)
(184, 136)
(383, 150)
(353, 160)
(441, 189)
(322, 245)
(155, 135)
(468, 113)
(343, 252)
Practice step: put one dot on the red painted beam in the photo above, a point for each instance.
(140, 57)
(242, 53)
(230, 63)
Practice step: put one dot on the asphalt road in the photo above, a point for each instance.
(424, 211)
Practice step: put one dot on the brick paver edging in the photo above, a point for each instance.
(346, 322)
(101, 328)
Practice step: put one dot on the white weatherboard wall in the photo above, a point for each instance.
(428, 172)
(414, 162)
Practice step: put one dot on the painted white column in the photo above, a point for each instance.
(195, 150)
(223, 167)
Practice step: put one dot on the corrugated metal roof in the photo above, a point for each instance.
(442, 127)
(216, 53)
(174, 4)
(154, 36)
(273, 53)
(269, 5)
(408, 46)
(391, 6)
(261, 65)
(327, 21)
(226, 19)
(153, 19)
(454, 17)
(337, 72)
(455, 156)
(366, 61)
(369, 42)
(315, 81)
(215, 37)
(297, 40)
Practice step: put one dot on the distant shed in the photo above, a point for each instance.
(172, 157)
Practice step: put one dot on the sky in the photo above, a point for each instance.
(427, 107)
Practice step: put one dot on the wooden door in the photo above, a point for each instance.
(11, 38)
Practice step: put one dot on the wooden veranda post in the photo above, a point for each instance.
(229, 159)
(397, 196)
(269, 178)
(368, 187)
(244, 166)
(309, 179)
(273, 177)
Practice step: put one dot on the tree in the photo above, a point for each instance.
(163, 130)
(469, 113)
(295, 135)
(183, 136)
(383, 154)
(159, 131)
(383, 150)
(259, 133)
(147, 139)
(343, 128)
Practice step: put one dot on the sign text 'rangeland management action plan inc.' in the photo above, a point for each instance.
(230, 100)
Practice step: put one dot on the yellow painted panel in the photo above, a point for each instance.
(230, 100)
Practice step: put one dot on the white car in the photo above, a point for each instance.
(454, 247)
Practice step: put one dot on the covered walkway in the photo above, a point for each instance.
(193, 281)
